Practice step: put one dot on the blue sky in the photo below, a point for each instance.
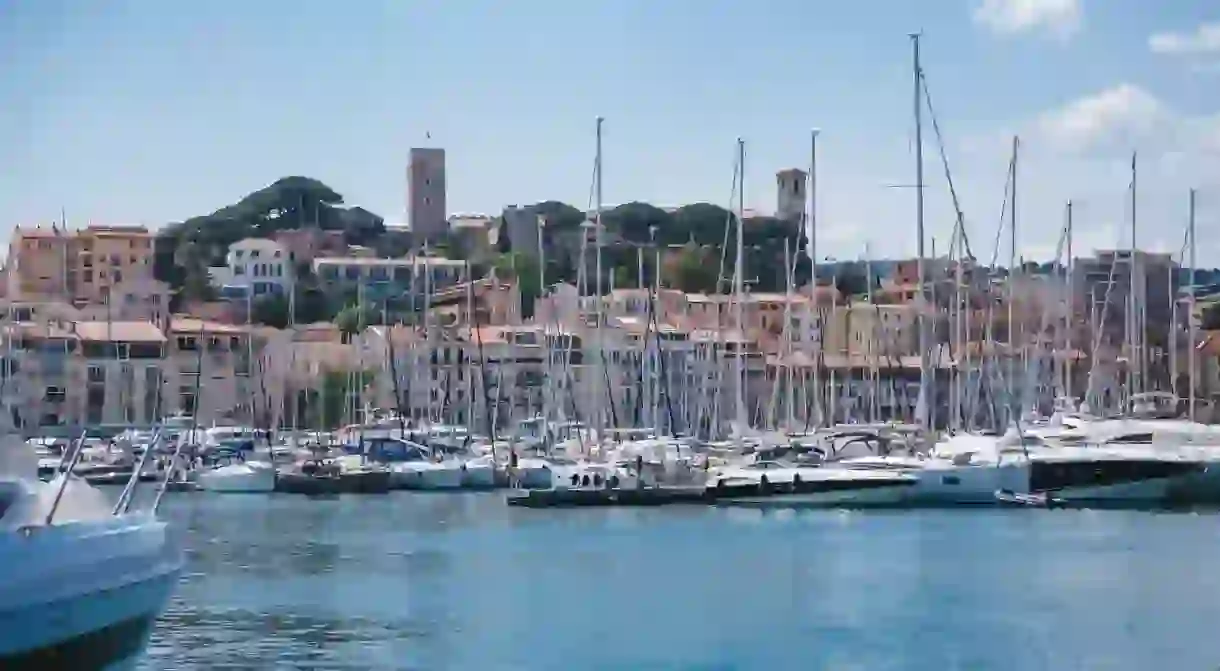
(143, 111)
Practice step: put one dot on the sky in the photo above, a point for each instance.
(144, 111)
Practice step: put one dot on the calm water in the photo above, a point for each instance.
(462, 582)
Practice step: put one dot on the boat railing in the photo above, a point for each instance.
(67, 475)
(128, 494)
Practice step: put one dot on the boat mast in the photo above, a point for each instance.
(922, 407)
(1012, 277)
(1071, 307)
(599, 424)
(738, 284)
(1135, 360)
(812, 252)
(1190, 318)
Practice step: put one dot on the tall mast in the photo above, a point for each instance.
(1190, 408)
(1136, 358)
(1071, 308)
(922, 407)
(597, 243)
(738, 284)
(813, 273)
(1012, 273)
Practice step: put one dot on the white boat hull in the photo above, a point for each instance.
(426, 476)
(534, 477)
(479, 476)
(238, 479)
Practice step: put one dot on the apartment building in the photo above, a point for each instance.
(37, 264)
(80, 266)
(209, 370)
(104, 257)
(382, 279)
(254, 267)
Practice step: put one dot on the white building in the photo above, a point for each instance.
(254, 267)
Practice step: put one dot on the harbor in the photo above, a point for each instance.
(730, 382)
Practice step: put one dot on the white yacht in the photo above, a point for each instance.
(238, 477)
(420, 471)
(970, 468)
(479, 472)
(81, 590)
(771, 483)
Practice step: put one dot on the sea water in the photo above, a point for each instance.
(460, 581)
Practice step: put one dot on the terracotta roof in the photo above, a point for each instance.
(119, 331)
(184, 324)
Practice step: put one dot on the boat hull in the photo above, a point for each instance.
(830, 492)
(1115, 480)
(427, 477)
(479, 476)
(88, 596)
(247, 480)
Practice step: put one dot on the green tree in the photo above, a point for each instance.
(693, 270)
(182, 249)
(271, 310)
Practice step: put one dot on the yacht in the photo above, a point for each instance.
(971, 468)
(82, 584)
(412, 466)
(771, 483)
(479, 472)
(238, 476)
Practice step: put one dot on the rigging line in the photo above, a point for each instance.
(995, 248)
(960, 224)
(722, 275)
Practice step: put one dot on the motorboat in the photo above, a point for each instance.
(414, 466)
(479, 473)
(238, 476)
(775, 484)
(537, 472)
(427, 475)
(970, 468)
(82, 585)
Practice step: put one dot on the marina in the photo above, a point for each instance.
(288, 433)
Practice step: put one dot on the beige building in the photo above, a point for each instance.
(77, 266)
(37, 264)
(103, 257)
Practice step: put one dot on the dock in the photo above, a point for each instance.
(585, 497)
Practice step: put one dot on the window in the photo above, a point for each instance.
(254, 253)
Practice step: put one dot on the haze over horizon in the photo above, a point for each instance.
(135, 111)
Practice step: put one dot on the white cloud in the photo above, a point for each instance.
(1060, 17)
(1204, 39)
(1125, 117)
